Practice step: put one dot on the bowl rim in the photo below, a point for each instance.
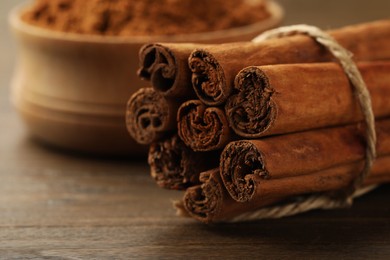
(275, 9)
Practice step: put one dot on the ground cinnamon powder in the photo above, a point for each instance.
(144, 17)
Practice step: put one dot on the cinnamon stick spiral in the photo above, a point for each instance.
(175, 166)
(278, 99)
(210, 202)
(246, 163)
(149, 116)
(202, 128)
(214, 68)
(208, 78)
(165, 65)
(204, 201)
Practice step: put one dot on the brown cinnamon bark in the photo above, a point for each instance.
(215, 67)
(166, 66)
(203, 128)
(210, 201)
(278, 99)
(149, 116)
(246, 164)
(175, 166)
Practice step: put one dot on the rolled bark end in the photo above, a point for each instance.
(158, 64)
(173, 165)
(241, 162)
(251, 111)
(147, 58)
(202, 128)
(208, 78)
(148, 116)
(203, 202)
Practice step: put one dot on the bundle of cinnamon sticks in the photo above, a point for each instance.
(245, 125)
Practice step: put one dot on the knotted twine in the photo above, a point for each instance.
(360, 91)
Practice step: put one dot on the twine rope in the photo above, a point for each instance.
(321, 201)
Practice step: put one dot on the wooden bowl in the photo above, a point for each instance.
(71, 90)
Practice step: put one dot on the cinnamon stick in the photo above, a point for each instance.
(278, 99)
(203, 128)
(210, 201)
(245, 164)
(215, 67)
(175, 166)
(149, 116)
(166, 66)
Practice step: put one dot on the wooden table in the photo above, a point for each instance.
(56, 205)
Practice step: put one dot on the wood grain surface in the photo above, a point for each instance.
(58, 205)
